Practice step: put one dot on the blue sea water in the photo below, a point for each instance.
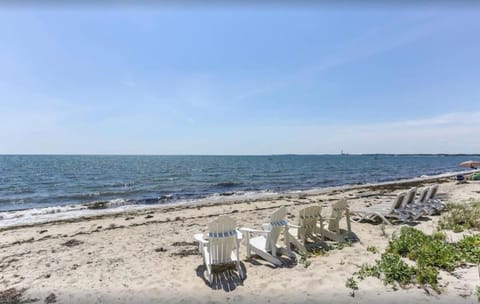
(37, 181)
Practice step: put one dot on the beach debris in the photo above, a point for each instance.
(227, 193)
(148, 216)
(43, 231)
(183, 243)
(193, 250)
(186, 252)
(14, 296)
(98, 205)
(464, 291)
(51, 298)
(72, 243)
(160, 249)
(7, 263)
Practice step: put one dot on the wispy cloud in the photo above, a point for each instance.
(379, 40)
(446, 133)
(449, 119)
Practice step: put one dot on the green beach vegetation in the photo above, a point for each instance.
(461, 217)
(431, 253)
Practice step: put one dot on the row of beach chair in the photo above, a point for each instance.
(405, 207)
(223, 243)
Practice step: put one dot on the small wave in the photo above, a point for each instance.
(107, 204)
(227, 184)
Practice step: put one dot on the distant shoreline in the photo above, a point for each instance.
(280, 154)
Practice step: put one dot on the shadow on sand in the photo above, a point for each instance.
(224, 277)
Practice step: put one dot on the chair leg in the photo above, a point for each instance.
(287, 241)
(296, 243)
(209, 272)
(383, 219)
(349, 225)
(240, 272)
(247, 241)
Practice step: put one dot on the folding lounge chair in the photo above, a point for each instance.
(422, 196)
(222, 245)
(434, 202)
(382, 211)
(422, 202)
(265, 245)
(307, 228)
(411, 207)
(332, 230)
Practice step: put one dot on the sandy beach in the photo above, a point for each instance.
(149, 256)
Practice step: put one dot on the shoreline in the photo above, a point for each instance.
(85, 211)
(150, 256)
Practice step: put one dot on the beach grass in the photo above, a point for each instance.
(461, 217)
(431, 254)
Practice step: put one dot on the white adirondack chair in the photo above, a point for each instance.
(332, 230)
(222, 245)
(307, 228)
(265, 245)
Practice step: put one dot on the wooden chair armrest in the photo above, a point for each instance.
(200, 239)
(252, 230)
(239, 234)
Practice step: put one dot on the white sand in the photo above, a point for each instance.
(132, 257)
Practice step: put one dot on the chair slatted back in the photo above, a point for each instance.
(422, 196)
(277, 223)
(222, 240)
(409, 198)
(338, 210)
(432, 192)
(307, 220)
(398, 201)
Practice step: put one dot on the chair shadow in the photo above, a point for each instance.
(223, 277)
(287, 262)
(351, 236)
(378, 222)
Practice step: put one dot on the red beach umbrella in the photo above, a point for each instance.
(470, 164)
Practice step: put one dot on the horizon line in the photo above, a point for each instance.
(275, 154)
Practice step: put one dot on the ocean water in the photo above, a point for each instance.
(39, 181)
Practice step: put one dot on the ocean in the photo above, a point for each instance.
(109, 181)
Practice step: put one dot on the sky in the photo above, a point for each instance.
(239, 80)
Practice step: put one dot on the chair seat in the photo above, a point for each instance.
(259, 242)
(228, 260)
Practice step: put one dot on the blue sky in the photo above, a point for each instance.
(239, 81)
